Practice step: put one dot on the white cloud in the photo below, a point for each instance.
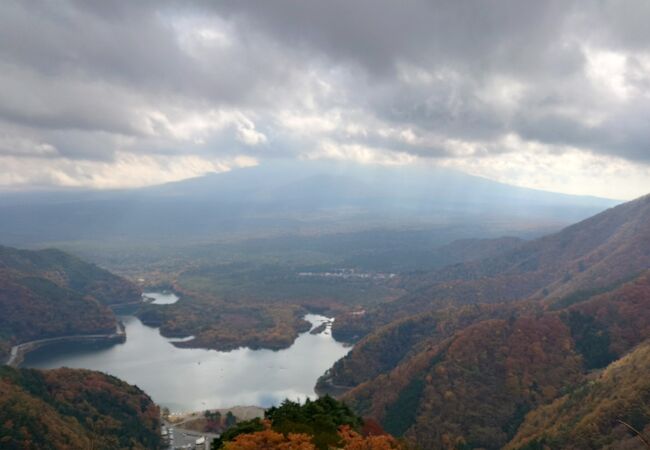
(570, 170)
(158, 91)
(126, 170)
(360, 154)
(607, 70)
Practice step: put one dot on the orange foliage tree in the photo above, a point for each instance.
(352, 440)
(271, 440)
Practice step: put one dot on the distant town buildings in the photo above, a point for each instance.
(348, 274)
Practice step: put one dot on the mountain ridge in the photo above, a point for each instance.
(597, 252)
(452, 365)
(49, 293)
(280, 197)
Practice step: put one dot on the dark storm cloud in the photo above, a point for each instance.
(475, 37)
(539, 44)
(87, 79)
(624, 134)
(131, 46)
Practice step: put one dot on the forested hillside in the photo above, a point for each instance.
(74, 409)
(510, 335)
(49, 293)
(36, 308)
(604, 412)
(474, 387)
(581, 260)
(68, 271)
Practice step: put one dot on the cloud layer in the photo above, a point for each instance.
(545, 94)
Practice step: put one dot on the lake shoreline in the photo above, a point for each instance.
(190, 379)
(19, 351)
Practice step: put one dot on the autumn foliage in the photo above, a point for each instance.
(595, 254)
(269, 439)
(322, 424)
(598, 413)
(460, 361)
(49, 293)
(272, 440)
(351, 440)
(74, 409)
(474, 385)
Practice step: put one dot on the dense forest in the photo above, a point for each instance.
(50, 293)
(226, 325)
(610, 410)
(322, 424)
(70, 272)
(254, 293)
(468, 374)
(475, 387)
(74, 409)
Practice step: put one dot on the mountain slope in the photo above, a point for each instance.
(68, 271)
(474, 387)
(35, 308)
(281, 197)
(465, 355)
(597, 414)
(385, 348)
(48, 293)
(74, 409)
(597, 253)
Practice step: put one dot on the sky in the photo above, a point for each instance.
(553, 95)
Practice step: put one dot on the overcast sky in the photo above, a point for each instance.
(546, 94)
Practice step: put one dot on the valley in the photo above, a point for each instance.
(441, 339)
(324, 225)
(485, 345)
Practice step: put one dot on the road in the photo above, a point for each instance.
(182, 438)
(19, 351)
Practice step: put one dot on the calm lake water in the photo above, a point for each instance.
(160, 298)
(196, 379)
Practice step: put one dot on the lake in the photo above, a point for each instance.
(197, 379)
(160, 298)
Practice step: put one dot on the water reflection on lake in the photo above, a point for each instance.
(196, 379)
(160, 298)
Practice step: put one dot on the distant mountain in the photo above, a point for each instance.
(461, 359)
(49, 293)
(281, 198)
(74, 409)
